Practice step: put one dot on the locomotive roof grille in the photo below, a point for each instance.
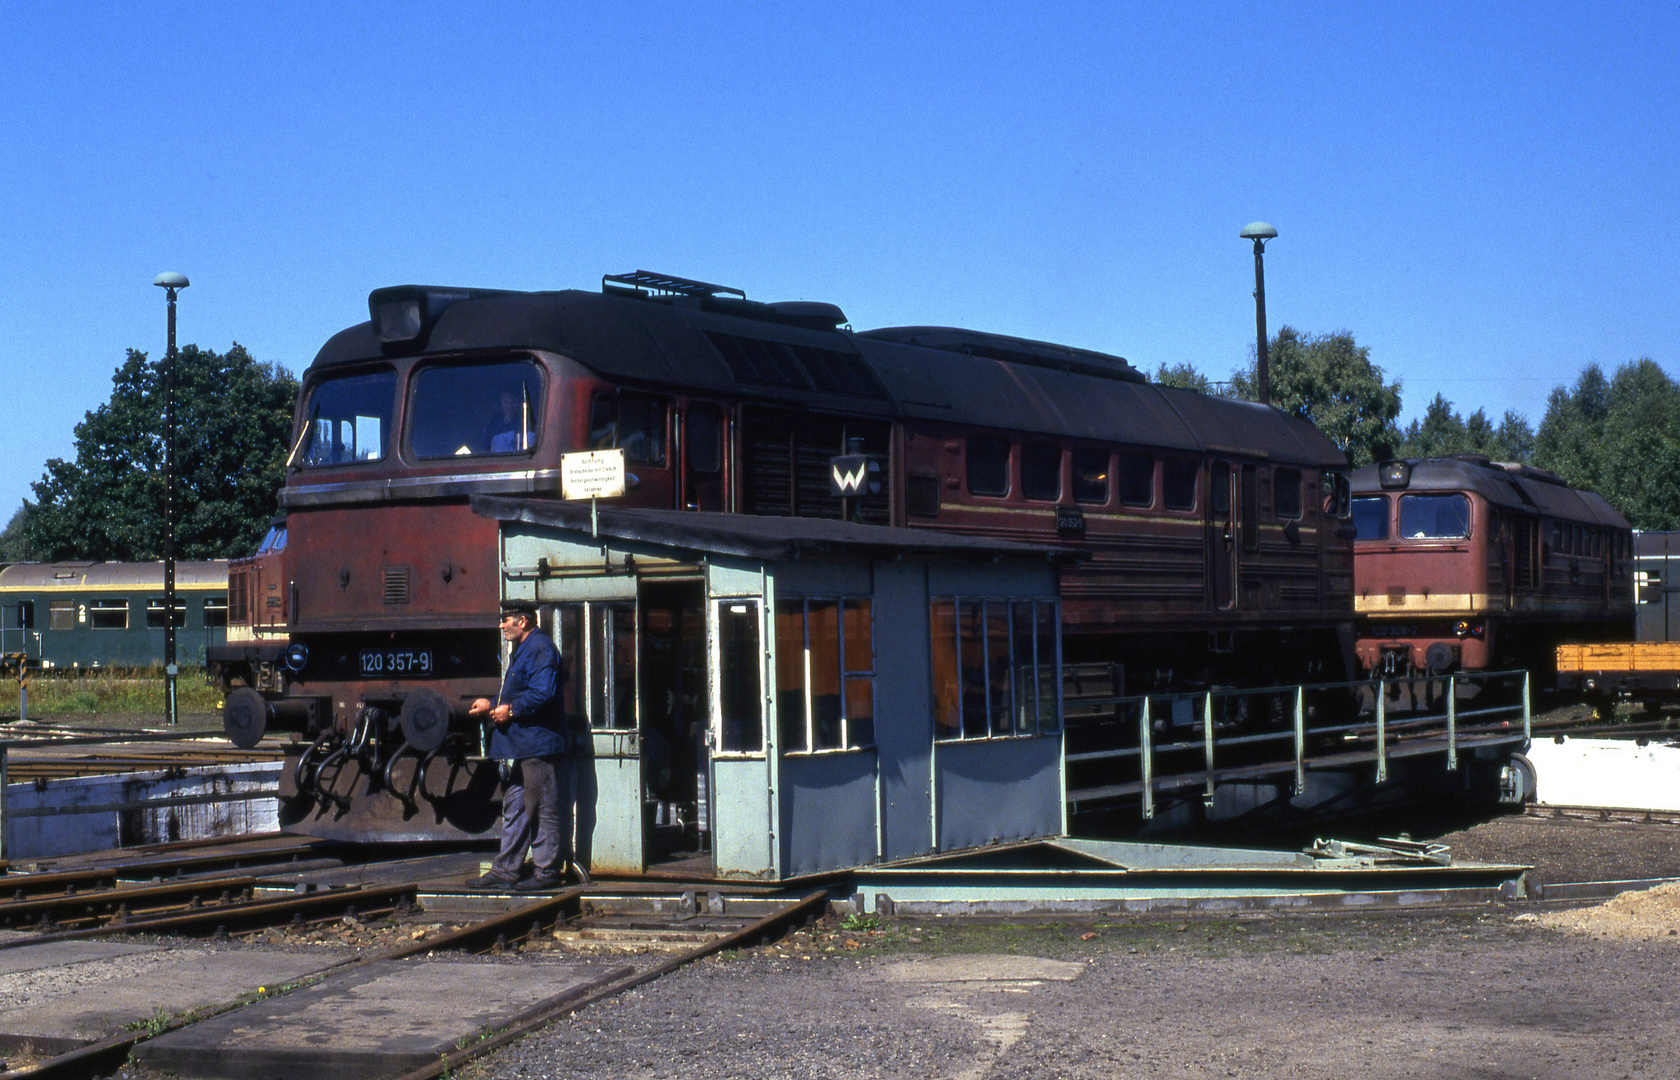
(665, 284)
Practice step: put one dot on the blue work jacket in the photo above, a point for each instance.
(532, 687)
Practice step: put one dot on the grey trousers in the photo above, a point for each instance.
(536, 813)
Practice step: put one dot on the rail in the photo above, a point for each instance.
(1377, 734)
(8, 813)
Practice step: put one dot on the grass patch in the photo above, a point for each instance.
(111, 692)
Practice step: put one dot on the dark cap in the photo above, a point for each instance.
(520, 607)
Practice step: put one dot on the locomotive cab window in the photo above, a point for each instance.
(1090, 476)
(988, 465)
(1286, 494)
(462, 410)
(347, 419)
(634, 423)
(1434, 517)
(1370, 517)
(1041, 471)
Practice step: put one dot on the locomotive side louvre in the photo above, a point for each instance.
(1463, 562)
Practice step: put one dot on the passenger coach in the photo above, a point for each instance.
(107, 614)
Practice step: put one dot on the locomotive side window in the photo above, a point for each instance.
(1370, 517)
(1041, 471)
(1090, 476)
(988, 465)
(348, 419)
(1286, 498)
(1250, 508)
(1434, 517)
(705, 439)
(1137, 478)
(460, 410)
(1178, 483)
(631, 422)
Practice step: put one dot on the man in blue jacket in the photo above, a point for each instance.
(529, 739)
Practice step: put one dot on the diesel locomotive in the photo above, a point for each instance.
(1219, 546)
(1463, 563)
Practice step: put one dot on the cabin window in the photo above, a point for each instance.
(154, 612)
(1178, 483)
(1370, 517)
(1434, 517)
(1090, 476)
(347, 419)
(1137, 478)
(630, 422)
(825, 674)
(988, 465)
(215, 611)
(1041, 471)
(995, 667)
(23, 615)
(108, 614)
(1286, 494)
(61, 615)
(462, 410)
(740, 699)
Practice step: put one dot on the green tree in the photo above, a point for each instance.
(1183, 376)
(13, 546)
(1441, 432)
(232, 419)
(1329, 381)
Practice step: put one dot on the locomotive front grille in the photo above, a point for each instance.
(396, 584)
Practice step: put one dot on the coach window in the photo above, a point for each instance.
(1090, 476)
(154, 613)
(1178, 483)
(61, 615)
(633, 423)
(1434, 517)
(1137, 478)
(988, 465)
(1286, 496)
(347, 419)
(463, 410)
(22, 616)
(108, 614)
(994, 667)
(825, 674)
(215, 611)
(1370, 517)
(1041, 471)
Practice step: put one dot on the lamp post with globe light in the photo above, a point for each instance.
(172, 283)
(1260, 232)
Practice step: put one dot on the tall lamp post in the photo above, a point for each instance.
(172, 283)
(1259, 232)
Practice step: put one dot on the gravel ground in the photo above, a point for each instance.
(1497, 995)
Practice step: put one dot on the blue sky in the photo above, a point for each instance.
(1485, 195)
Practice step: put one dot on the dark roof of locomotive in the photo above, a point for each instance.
(771, 539)
(930, 373)
(1520, 487)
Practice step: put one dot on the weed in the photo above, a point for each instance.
(855, 921)
(116, 691)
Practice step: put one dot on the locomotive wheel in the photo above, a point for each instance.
(424, 719)
(245, 717)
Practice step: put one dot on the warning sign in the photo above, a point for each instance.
(597, 474)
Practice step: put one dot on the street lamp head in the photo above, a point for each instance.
(169, 279)
(1258, 230)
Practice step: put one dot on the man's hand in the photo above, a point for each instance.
(501, 714)
(479, 707)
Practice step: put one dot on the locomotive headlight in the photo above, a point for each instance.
(1394, 474)
(297, 655)
(1461, 628)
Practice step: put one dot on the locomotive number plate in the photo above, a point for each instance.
(396, 661)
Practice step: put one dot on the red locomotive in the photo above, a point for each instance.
(1220, 549)
(1462, 563)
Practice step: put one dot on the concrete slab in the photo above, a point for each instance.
(59, 995)
(382, 1019)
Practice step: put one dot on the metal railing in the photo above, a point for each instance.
(1375, 734)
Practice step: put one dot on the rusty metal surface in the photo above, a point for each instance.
(460, 799)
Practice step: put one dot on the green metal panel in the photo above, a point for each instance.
(616, 839)
(741, 834)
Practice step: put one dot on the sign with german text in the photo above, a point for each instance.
(595, 474)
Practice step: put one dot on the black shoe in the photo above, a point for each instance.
(490, 881)
(539, 883)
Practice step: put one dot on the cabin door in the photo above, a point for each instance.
(674, 718)
(1222, 534)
